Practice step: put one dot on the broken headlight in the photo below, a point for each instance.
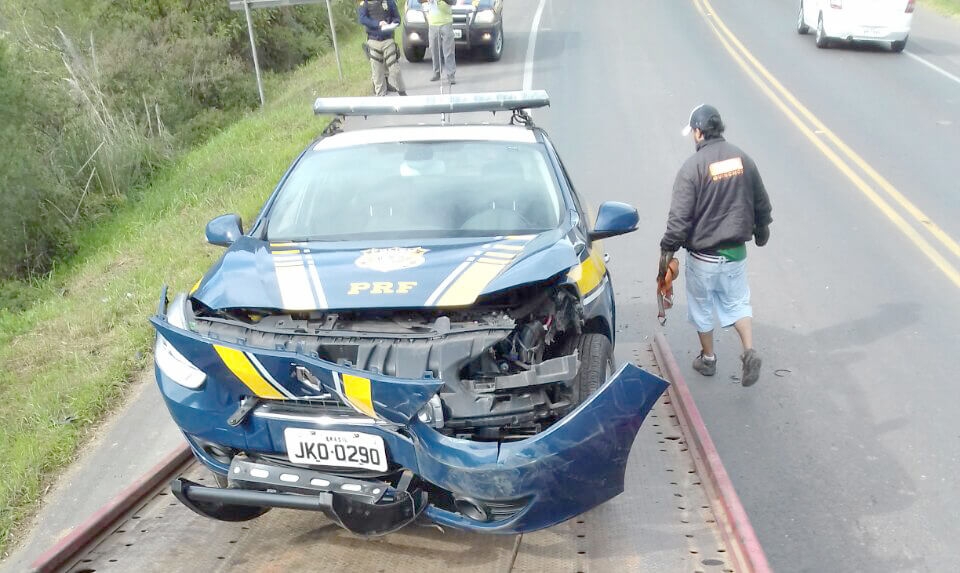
(169, 360)
(176, 366)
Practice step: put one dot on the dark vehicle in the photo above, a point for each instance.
(477, 26)
(420, 322)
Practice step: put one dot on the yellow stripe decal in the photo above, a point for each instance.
(357, 390)
(196, 286)
(509, 247)
(287, 252)
(241, 367)
(589, 274)
(471, 283)
(500, 255)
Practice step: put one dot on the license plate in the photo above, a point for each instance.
(457, 34)
(874, 32)
(338, 449)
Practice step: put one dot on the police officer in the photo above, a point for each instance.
(380, 18)
(719, 203)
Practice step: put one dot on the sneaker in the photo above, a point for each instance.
(705, 366)
(435, 78)
(751, 367)
(402, 93)
(452, 80)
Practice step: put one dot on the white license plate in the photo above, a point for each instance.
(338, 449)
(874, 32)
(457, 34)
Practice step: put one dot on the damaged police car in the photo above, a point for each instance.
(418, 325)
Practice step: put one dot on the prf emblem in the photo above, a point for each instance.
(392, 259)
(402, 287)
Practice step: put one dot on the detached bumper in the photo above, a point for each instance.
(508, 487)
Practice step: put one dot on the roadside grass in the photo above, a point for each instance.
(66, 360)
(949, 7)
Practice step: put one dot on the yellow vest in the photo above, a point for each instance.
(440, 13)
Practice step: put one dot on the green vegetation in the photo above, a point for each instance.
(66, 360)
(949, 7)
(97, 95)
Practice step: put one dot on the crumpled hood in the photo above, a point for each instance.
(439, 273)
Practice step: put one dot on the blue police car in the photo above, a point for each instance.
(418, 325)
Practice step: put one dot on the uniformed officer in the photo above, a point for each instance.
(719, 203)
(380, 18)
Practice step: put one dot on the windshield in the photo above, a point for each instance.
(422, 189)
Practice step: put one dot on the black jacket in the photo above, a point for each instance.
(718, 199)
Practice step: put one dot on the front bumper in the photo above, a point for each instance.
(571, 467)
(471, 35)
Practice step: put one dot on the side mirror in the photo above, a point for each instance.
(614, 219)
(225, 230)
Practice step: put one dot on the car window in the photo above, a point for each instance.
(422, 189)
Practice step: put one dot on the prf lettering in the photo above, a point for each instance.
(381, 288)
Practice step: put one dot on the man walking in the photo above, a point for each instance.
(719, 203)
(442, 42)
(380, 18)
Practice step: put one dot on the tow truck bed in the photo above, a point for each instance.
(678, 513)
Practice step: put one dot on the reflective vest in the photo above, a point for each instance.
(440, 13)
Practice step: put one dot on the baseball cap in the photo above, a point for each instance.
(700, 117)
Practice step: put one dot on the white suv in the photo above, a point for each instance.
(857, 21)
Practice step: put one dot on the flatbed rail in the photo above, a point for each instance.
(679, 512)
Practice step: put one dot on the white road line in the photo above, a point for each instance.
(934, 67)
(532, 47)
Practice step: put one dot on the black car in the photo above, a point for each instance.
(477, 26)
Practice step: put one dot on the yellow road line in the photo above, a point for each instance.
(887, 187)
(939, 260)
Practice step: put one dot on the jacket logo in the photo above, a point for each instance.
(392, 259)
(726, 169)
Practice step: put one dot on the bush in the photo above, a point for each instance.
(95, 96)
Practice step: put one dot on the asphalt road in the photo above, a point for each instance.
(847, 460)
(846, 457)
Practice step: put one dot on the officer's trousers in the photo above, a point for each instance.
(385, 63)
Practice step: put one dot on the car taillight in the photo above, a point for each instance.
(838, 4)
(910, 7)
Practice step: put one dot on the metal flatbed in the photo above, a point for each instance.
(674, 515)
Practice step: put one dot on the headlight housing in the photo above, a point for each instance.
(486, 17)
(415, 17)
(169, 360)
(176, 367)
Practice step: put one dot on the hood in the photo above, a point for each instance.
(441, 273)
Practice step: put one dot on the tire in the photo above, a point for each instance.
(897, 47)
(596, 363)
(802, 27)
(822, 40)
(495, 51)
(413, 54)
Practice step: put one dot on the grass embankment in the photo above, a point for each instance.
(949, 7)
(66, 361)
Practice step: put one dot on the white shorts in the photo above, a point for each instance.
(720, 286)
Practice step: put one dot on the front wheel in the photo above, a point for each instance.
(802, 27)
(495, 50)
(413, 54)
(898, 47)
(596, 364)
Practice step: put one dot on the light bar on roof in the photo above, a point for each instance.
(432, 104)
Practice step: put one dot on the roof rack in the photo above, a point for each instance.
(432, 104)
